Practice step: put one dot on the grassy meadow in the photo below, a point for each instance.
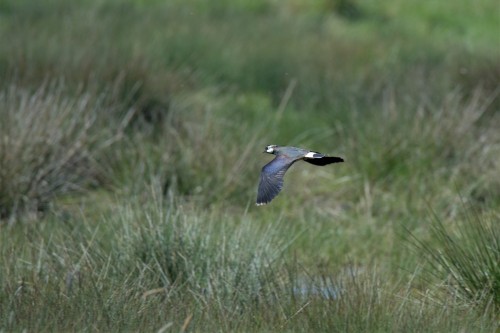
(131, 135)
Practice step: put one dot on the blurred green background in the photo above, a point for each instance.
(130, 150)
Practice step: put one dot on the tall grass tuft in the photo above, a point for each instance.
(49, 143)
(466, 257)
(210, 258)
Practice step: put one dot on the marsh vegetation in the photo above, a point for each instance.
(130, 149)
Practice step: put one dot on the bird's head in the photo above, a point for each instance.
(271, 149)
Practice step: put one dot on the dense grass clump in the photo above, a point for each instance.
(130, 149)
(467, 258)
(50, 142)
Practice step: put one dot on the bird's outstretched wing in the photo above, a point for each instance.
(320, 159)
(271, 179)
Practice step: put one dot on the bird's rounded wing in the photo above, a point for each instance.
(271, 179)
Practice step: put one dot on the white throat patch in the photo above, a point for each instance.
(270, 149)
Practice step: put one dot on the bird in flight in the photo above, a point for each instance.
(271, 176)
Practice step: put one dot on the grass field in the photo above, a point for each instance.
(130, 150)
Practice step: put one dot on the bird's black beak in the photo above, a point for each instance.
(264, 151)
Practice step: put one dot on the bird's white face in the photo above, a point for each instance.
(270, 149)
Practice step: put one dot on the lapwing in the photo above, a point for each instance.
(271, 176)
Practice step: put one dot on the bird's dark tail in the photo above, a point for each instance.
(325, 160)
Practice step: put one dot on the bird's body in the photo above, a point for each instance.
(271, 176)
